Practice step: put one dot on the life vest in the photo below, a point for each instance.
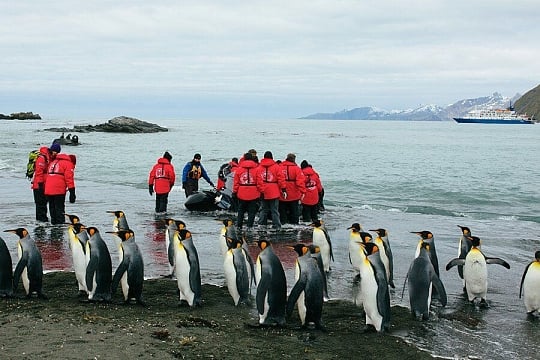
(195, 173)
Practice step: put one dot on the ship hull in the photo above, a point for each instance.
(491, 121)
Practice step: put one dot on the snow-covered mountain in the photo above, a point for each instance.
(422, 113)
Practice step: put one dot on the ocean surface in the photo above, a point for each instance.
(402, 176)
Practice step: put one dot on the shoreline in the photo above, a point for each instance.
(64, 327)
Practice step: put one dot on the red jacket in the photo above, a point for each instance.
(294, 179)
(221, 183)
(162, 176)
(40, 167)
(270, 179)
(313, 187)
(245, 181)
(60, 175)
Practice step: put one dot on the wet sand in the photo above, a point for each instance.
(63, 327)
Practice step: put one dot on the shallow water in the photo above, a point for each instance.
(403, 176)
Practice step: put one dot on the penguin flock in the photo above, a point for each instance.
(370, 258)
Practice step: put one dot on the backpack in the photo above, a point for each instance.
(30, 166)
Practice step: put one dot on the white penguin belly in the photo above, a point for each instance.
(79, 264)
(26, 280)
(531, 288)
(262, 317)
(369, 290)
(230, 276)
(475, 276)
(182, 267)
(125, 285)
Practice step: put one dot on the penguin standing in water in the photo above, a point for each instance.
(530, 286)
(374, 285)
(421, 279)
(99, 268)
(170, 229)
(130, 271)
(463, 248)
(6, 271)
(119, 223)
(186, 268)
(77, 243)
(322, 240)
(356, 251)
(30, 265)
(239, 271)
(315, 252)
(386, 253)
(307, 292)
(427, 237)
(475, 272)
(271, 295)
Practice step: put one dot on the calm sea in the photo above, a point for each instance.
(403, 176)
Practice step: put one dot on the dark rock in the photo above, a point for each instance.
(121, 124)
(21, 116)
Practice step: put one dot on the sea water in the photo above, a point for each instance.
(402, 176)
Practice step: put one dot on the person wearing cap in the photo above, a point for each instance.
(271, 183)
(310, 202)
(46, 154)
(192, 172)
(289, 202)
(60, 179)
(161, 181)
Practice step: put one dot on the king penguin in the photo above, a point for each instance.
(356, 252)
(130, 271)
(119, 223)
(322, 240)
(386, 253)
(171, 226)
(307, 292)
(187, 269)
(99, 268)
(239, 271)
(30, 264)
(6, 271)
(271, 295)
(464, 246)
(316, 254)
(228, 225)
(374, 285)
(77, 243)
(421, 278)
(475, 272)
(530, 286)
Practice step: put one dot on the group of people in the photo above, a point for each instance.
(53, 177)
(278, 190)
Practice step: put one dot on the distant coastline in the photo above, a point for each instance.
(21, 116)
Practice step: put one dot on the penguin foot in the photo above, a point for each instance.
(533, 315)
(82, 294)
(391, 283)
(370, 329)
(42, 296)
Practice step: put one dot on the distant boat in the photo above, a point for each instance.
(495, 116)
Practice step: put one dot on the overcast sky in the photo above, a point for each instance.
(156, 59)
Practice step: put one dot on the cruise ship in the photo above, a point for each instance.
(494, 116)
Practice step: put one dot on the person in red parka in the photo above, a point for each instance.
(60, 178)
(271, 183)
(38, 181)
(245, 190)
(310, 202)
(289, 202)
(161, 180)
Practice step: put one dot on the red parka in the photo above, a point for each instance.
(245, 181)
(294, 179)
(313, 186)
(40, 167)
(162, 176)
(270, 179)
(60, 175)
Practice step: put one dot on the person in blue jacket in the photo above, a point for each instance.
(193, 171)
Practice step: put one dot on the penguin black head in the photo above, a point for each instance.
(78, 227)
(370, 248)
(184, 233)
(263, 244)
(300, 249)
(314, 249)
(117, 213)
(20, 232)
(124, 235)
(231, 232)
(475, 240)
(92, 230)
(180, 224)
(465, 230)
(381, 232)
(234, 242)
(537, 255)
(366, 237)
(317, 223)
(355, 227)
(227, 222)
(423, 234)
(73, 219)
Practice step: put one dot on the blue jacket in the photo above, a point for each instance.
(194, 171)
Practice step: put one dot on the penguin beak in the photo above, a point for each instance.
(13, 231)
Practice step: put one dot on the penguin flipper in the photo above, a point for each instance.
(439, 287)
(23, 262)
(242, 278)
(120, 270)
(262, 290)
(498, 261)
(90, 271)
(295, 294)
(523, 278)
(454, 262)
(170, 253)
(251, 265)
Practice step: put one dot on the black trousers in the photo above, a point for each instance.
(161, 202)
(57, 208)
(191, 186)
(41, 205)
(289, 212)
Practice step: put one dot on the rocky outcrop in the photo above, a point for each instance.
(21, 116)
(120, 124)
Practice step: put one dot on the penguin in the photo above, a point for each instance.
(421, 278)
(228, 225)
(322, 240)
(77, 243)
(73, 219)
(6, 271)
(130, 271)
(427, 236)
(530, 286)
(386, 253)
(99, 268)
(271, 297)
(307, 292)
(172, 226)
(239, 273)
(374, 285)
(30, 265)
(186, 268)
(119, 223)
(463, 248)
(475, 272)
(356, 252)
(316, 254)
